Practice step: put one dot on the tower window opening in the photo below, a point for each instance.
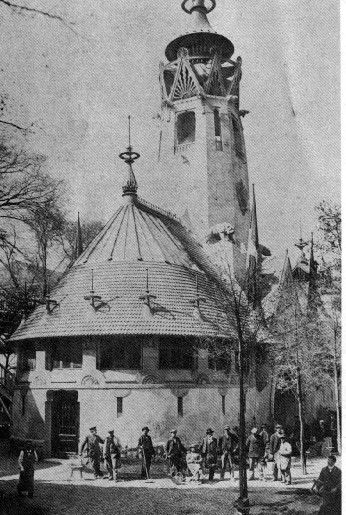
(185, 128)
(217, 128)
(119, 406)
(238, 142)
(180, 407)
(223, 404)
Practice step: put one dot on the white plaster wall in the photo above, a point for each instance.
(152, 406)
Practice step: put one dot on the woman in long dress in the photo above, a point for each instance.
(285, 453)
(27, 459)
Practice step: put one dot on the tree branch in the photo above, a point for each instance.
(17, 7)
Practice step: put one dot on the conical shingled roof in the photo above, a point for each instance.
(138, 232)
(139, 242)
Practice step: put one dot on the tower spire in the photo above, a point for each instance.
(79, 239)
(313, 294)
(301, 245)
(130, 187)
(253, 258)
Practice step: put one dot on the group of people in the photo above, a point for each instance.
(269, 455)
(199, 458)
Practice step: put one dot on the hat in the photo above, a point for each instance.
(145, 428)
(227, 427)
(111, 431)
(254, 430)
(173, 431)
(209, 431)
(92, 428)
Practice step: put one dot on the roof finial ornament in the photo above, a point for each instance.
(198, 5)
(130, 186)
(301, 243)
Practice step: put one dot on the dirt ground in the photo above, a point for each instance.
(56, 494)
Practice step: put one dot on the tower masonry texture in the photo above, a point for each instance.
(202, 156)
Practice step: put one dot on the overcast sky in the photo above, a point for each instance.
(78, 86)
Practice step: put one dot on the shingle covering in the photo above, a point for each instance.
(139, 241)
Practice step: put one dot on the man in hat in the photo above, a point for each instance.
(255, 447)
(274, 447)
(175, 452)
(209, 452)
(330, 479)
(147, 451)
(112, 455)
(92, 443)
(228, 445)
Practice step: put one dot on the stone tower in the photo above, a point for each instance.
(202, 157)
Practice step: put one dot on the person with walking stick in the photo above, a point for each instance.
(146, 451)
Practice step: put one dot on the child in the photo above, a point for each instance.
(27, 459)
(285, 453)
(194, 460)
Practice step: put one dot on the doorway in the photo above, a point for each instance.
(65, 423)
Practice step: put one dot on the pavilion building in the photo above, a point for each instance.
(127, 337)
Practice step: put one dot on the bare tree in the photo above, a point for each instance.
(23, 183)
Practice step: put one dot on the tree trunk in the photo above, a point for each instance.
(337, 401)
(243, 505)
(301, 422)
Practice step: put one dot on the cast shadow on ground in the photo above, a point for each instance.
(71, 498)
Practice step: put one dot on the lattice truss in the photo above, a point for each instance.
(185, 78)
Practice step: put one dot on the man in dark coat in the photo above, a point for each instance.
(209, 452)
(92, 443)
(255, 448)
(274, 446)
(175, 452)
(112, 455)
(330, 478)
(147, 451)
(228, 445)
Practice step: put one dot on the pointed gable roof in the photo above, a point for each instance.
(287, 293)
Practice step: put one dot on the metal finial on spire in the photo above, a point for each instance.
(301, 243)
(198, 5)
(130, 186)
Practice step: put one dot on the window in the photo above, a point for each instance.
(176, 352)
(219, 357)
(28, 359)
(180, 407)
(119, 406)
(120, 353)
(217, 128)
(185, 127)
(223, 404)
(238, 142)
(67, 354)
